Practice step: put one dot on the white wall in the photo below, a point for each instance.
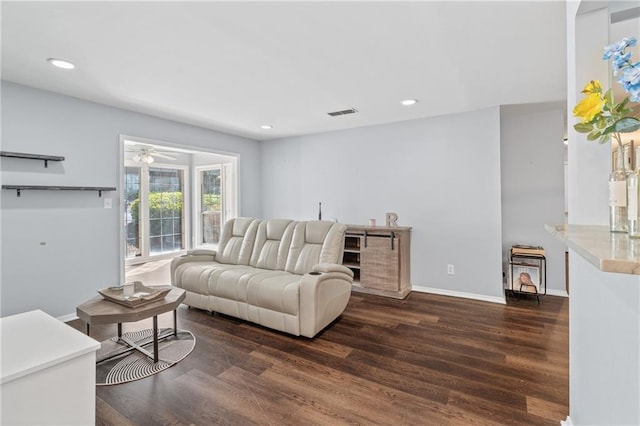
(441, 175)
(604, 322)
(589, 163)
(532, 163)
(58, 248)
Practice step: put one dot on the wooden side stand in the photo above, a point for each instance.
(380, 259)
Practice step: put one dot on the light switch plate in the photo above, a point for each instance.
(108, 203)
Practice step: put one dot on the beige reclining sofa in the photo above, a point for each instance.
(278, 273)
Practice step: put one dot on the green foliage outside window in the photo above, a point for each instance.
(211, 202)
(169, 204)
(161, 204)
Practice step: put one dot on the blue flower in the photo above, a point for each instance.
(620, 61)
(630, 80)
(618, 47)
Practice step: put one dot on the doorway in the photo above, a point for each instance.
(174, 198)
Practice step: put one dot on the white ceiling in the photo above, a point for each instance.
(233, 66)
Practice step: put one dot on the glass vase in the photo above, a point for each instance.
(618, 218)
(633, 196)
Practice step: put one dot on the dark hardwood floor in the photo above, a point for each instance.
(425, 360)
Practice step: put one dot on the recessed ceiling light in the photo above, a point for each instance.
(61, 63)
(409, 102)
(266, 127)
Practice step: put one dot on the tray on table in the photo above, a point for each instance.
(141, 294)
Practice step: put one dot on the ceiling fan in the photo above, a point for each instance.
(148, 153)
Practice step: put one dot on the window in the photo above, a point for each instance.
(166, 210)
(159, 181)
(155, 210)
(132, 211)
(215, 195)
(210, 205)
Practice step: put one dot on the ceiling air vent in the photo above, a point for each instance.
(343, 112)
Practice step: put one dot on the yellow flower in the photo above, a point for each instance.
(592, 87)
(589, 107)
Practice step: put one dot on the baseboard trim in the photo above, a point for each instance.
(68, 317)
(567, 422)
(461, 294)
(560, 293)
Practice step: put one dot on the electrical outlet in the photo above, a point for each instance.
(450, 270)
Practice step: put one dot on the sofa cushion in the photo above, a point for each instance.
(333, 245)
(271, 247)
(278, 292)
(237, 240)
(232, 283)
(195, 277)
(315, 242)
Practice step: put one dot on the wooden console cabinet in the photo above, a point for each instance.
(380, 259)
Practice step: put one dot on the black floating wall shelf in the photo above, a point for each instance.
(45, 158)
(19, 188)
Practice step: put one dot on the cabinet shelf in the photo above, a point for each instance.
(41, 157)
(19, 188)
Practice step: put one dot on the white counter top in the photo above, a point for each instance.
(607, 251)
(33, 341)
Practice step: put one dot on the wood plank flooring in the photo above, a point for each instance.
(425, 360)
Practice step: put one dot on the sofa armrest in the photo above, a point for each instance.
(332, 267)
(323, 297)
(199, 255)
(205, 252)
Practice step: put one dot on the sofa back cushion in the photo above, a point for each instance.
(272, 244)
(237, 240)
(315, 242)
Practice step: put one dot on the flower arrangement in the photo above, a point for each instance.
(601, 117)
